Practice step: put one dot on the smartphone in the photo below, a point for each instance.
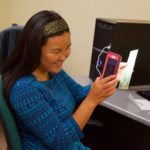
(111, 64)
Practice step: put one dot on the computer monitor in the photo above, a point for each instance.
(122, 36)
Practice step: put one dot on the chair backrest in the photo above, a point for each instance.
(8, 39)
(11, 131)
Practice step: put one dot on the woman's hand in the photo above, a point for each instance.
(121, 69)
(101, 89)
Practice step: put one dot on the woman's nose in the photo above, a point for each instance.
(63, 56)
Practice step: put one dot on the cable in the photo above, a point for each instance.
(98, 58)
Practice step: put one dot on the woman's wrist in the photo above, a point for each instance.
(91, 103)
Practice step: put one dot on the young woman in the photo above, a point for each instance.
(50, 108)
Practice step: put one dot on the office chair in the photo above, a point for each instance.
(8, 39)
(10, 129)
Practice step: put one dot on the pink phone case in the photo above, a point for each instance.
(111, 64)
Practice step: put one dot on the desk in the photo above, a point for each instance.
(126, 127)
(120, 102)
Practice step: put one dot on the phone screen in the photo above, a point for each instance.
(111, 67)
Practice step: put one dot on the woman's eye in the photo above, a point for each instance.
(56, 52)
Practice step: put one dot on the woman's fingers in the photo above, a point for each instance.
(122, 65)
(105, 80)
(112, 83)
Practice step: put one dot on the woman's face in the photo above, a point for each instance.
(55, 51)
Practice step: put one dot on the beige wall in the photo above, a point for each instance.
(81, 15)
(5, 13)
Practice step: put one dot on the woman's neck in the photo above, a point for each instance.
(41, 75)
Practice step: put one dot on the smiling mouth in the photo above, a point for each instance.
(58, 64)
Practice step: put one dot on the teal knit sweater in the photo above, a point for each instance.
(43, 112)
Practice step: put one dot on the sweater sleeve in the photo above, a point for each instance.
(79, 92)
(37, 114)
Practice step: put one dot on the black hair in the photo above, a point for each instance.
(25, 57)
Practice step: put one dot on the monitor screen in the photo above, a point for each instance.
(123, 36)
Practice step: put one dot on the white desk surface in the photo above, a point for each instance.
(120, 102)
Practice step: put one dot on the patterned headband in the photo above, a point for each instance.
(55, 26)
